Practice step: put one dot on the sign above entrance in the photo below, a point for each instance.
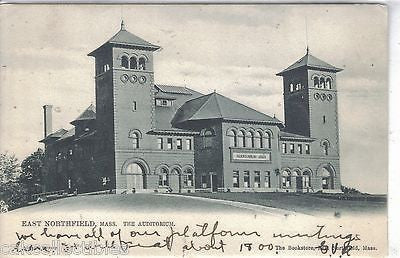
(251, 157)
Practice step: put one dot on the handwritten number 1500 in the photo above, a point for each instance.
(248, 247)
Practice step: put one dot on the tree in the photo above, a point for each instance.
(12, 191)
(32, 172)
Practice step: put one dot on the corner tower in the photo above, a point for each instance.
(124, 80)
(310, 101)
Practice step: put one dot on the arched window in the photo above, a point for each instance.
(208, 137)
(124, 62)
(325, 146)
(327, 178)
(249, 140)
(188, 177)
(134, 168)
(298, 86)
(328, 83)
(291, 87)
(163, 179)
(232, 138)
(306, 179)
(286, 180)
(322, 83)
(258, 140)
(316, 82)
(241, 139)
(267, 140)
(133, 63)
(135, 140)
(142, 63)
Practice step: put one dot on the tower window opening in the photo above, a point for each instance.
(135, 140)
(307, 148)
(133, 63)
(328, 83)
(322, 83)
(316, 82)
(142, 63)
(323, 119)
(298, 86)
(124, 62)
(291, 87)
(325, 147)
(134, 106)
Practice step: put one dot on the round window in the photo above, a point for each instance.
(329, 97)
(142, 79)
(323, 96)
(316, 96)
(133, 79)
(124, 78)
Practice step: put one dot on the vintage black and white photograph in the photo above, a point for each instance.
(188, 130)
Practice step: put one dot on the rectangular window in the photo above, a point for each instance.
(160, 143)
(267, 182)
(163, 102)
(179, 144)
(291, 148)
(134, 106)
(189, 144)
(169, 143)
(235, 179)
(307, 148)
(300, 148)
(257, 179)
(246, 178)
(323, 119)
(284, 150)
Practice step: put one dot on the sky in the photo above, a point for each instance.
(233, 49)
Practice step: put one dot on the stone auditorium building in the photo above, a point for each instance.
(147, 137)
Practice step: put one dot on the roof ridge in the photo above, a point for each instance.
(243, 105)
(219, 107)
(202, 106)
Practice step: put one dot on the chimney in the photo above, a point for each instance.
(48, 119)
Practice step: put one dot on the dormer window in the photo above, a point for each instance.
(124, 62)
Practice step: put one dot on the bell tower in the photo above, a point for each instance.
(124, 80)
(310, 102)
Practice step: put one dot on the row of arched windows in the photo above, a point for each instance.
(249, 139)
(322, 82)
(295, 86)
(133, 63)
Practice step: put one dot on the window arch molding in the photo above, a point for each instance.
(186, 168)
(230, 129)
(232, 136)
(315, 79)
(142, 163)
(159, 168)
(207, 132)
(328, 167)
(286, 172)
(177, 168)
(132, 133)
(306, 171)
(325, 142)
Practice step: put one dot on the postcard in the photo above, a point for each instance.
(194, 130)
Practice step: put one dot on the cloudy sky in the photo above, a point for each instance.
(236, 50)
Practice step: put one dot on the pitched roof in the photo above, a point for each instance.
(311, 61)
(174, 89)
(124, 37)
(88, 114)
(293, 136)
(216, 106)
(57, 134)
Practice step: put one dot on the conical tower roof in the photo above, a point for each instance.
(310, 61)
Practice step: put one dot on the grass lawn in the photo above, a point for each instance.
(305, 203)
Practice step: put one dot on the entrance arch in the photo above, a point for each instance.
(327, 174)
(135, 170)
